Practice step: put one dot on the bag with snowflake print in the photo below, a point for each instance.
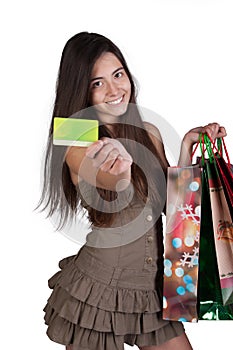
(182, 243)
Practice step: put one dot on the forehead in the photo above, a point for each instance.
(106, 64)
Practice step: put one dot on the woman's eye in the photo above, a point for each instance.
(97, 84)
(119, 74)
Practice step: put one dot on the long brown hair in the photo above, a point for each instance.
(72, 100)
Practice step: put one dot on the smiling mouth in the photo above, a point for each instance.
(115, 102)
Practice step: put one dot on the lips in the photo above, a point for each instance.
(115, 102)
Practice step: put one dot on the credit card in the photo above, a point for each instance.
(75, 132)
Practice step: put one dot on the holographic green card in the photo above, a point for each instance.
(75, 132)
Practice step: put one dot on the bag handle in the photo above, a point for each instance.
(206, 143)
(210, 148)
(202, 147)
(220, 146)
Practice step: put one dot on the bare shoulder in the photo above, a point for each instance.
(153, 131)
(156, 138)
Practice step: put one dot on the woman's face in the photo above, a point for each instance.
(110, 88)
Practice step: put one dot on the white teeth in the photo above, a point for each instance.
(116, 101)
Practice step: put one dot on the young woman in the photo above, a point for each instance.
(110, 293)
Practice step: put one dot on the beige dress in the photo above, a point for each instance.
(110, 293)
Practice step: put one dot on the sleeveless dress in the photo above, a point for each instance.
(110, 292)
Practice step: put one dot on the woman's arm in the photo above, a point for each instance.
(105, 164)
(192, 137)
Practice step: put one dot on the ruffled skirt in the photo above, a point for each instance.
(99, 307)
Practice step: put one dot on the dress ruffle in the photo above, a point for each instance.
(71, 281)
(83, 311)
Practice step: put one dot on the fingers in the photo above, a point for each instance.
(110, 160)
(120, 166)
(93, 149)
(118, 145)
(214, 130)
(104, 155)
(222, 132)
(211, 129)
(109, 155)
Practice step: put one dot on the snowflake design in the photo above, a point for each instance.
(190, 259)
(187, 212)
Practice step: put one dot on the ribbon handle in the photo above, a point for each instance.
(221, 145)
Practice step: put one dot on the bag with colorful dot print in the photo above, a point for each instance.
(182, 243)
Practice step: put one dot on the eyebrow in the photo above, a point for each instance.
(115, 71)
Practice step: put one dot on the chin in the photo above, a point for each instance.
(119, 110)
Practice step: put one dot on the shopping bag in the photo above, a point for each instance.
(223, 227)
(210, 304)
(182, 243)
(225, 170)
(207, 301)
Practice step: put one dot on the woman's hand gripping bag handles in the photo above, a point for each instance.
(182, 243)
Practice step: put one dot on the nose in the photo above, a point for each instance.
(112, 88)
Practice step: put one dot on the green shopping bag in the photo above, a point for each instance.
(210, 304)
(215, 251)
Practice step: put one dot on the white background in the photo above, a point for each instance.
(181, 54)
